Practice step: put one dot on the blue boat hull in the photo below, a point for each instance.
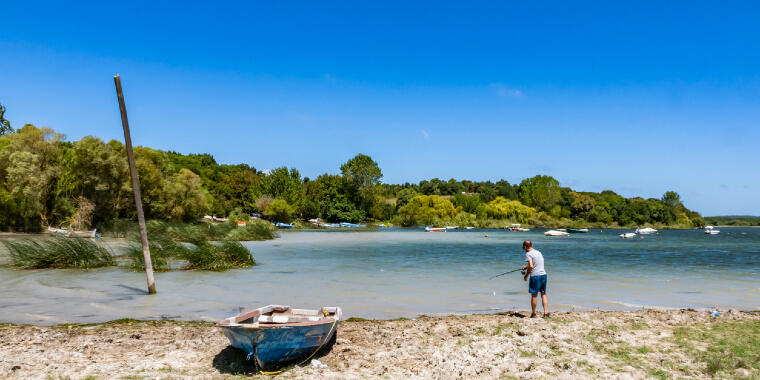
(277, 347)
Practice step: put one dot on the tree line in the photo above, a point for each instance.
(46, 180)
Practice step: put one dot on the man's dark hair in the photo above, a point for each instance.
(527, 244)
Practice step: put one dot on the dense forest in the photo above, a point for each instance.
(46, 180)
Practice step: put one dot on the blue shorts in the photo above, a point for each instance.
(537, 284)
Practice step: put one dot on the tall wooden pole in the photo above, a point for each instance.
(135, 187)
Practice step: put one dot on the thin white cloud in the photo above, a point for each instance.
(425, 134)
(506, 92)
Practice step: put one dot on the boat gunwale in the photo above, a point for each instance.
(234, 321)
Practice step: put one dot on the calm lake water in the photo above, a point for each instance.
(405, 273)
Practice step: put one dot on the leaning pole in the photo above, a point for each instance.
(135, 187)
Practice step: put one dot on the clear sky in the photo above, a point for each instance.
(636, 97)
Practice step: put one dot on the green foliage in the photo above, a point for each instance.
(728, 346)
(253, 230)
(279, 211)
(541, 192)
(5, 125)
(469, 203)
(218, 257)
(200, 254)
(45, 180)
(500, 208)
(747, 221)
(58, 252)
(287, 186)
(426, 210)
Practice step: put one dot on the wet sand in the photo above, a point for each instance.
(608, 344)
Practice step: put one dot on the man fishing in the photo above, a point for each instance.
(534, 271)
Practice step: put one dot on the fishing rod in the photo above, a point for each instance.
(498, 275)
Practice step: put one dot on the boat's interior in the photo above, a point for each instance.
(281, 314)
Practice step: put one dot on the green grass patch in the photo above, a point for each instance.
(58, 252)
(355, 319)
(722, 347)
(527, 354)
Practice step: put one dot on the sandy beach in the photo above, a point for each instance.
(609, 344)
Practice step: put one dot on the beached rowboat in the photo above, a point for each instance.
(276, 336)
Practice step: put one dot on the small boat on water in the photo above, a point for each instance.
(469, 228)
(556, 233)
(283, 225)
(276, 336)
(435, 229)
(515, 227)
(628, 235)
(451, 227)
(646, 231)
(710, 230)
(577, 230)
(74, 233)
(352, 225)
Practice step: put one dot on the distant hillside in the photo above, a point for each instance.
(734, 220)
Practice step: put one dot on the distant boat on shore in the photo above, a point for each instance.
(283, 225)
(556, 233)
(276, 336)
(74, 233)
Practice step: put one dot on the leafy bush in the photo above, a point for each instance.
(58, 252)
(255, 230)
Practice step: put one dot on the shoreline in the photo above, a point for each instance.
(578, 344)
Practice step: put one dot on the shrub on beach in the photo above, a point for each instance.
(58, 252)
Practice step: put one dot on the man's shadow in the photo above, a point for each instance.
(233, 361)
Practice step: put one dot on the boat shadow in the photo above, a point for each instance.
(232, 361)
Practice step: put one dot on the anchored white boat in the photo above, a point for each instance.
(710, 230)
(556, 233)
(628, 235)
(646, 231)
(435, 229)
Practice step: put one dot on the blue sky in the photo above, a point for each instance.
(639, 98)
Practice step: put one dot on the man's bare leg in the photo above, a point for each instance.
(533, 302)
(545, 301)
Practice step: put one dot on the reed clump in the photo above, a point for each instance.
(189, 243)
(58, 252)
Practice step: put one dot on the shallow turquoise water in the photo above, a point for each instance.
(405, 273)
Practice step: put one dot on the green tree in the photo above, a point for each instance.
(501, 208)
(279, 211)
(541, 192)
(363, 175)
(362, 170)
(285, 184)
(472, 204)
(5, 125)
(425, 210)
(187, 200)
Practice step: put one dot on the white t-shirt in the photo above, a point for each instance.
(538, 262)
